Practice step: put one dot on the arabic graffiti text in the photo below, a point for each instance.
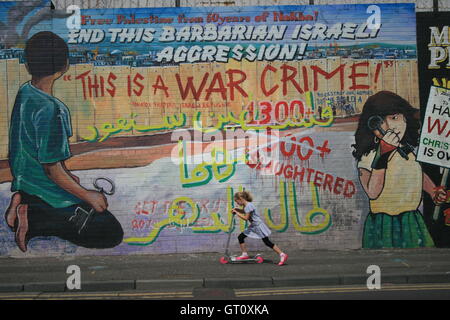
(184, 212)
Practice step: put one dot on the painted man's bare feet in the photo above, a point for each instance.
(22, 227)
(11, 212)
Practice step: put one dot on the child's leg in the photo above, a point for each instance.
(22, 227)
(269, 243)
(103, 230)
(283, 256)
(11, 212)
(241, 238)
(277, 249)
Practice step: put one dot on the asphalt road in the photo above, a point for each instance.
(223, 296)
(393, 292)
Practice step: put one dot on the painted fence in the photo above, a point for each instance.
(99, 96)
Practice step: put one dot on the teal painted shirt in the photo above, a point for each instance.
(39, 134)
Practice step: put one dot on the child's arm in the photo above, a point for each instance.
(241, 214)
(74, 177)
(58, 174)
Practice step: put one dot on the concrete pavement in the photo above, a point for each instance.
(203, 270)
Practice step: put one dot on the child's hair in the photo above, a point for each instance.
(46, 54)
(382, 104)
(243, 195)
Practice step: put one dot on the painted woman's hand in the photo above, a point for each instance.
(439, 195)
(392, 137)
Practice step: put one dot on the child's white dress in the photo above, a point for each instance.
(257, 228)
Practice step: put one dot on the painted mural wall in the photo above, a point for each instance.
(165, 113)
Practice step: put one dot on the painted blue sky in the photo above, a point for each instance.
(7, 5)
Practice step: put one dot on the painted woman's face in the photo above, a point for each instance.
(395, 122)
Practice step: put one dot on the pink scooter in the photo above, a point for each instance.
(227, 258)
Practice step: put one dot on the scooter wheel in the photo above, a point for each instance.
(223, 260)
(259, 260)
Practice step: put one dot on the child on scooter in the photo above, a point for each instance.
(257, 228)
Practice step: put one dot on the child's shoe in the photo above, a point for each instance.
(283, 259)
(243, 256)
